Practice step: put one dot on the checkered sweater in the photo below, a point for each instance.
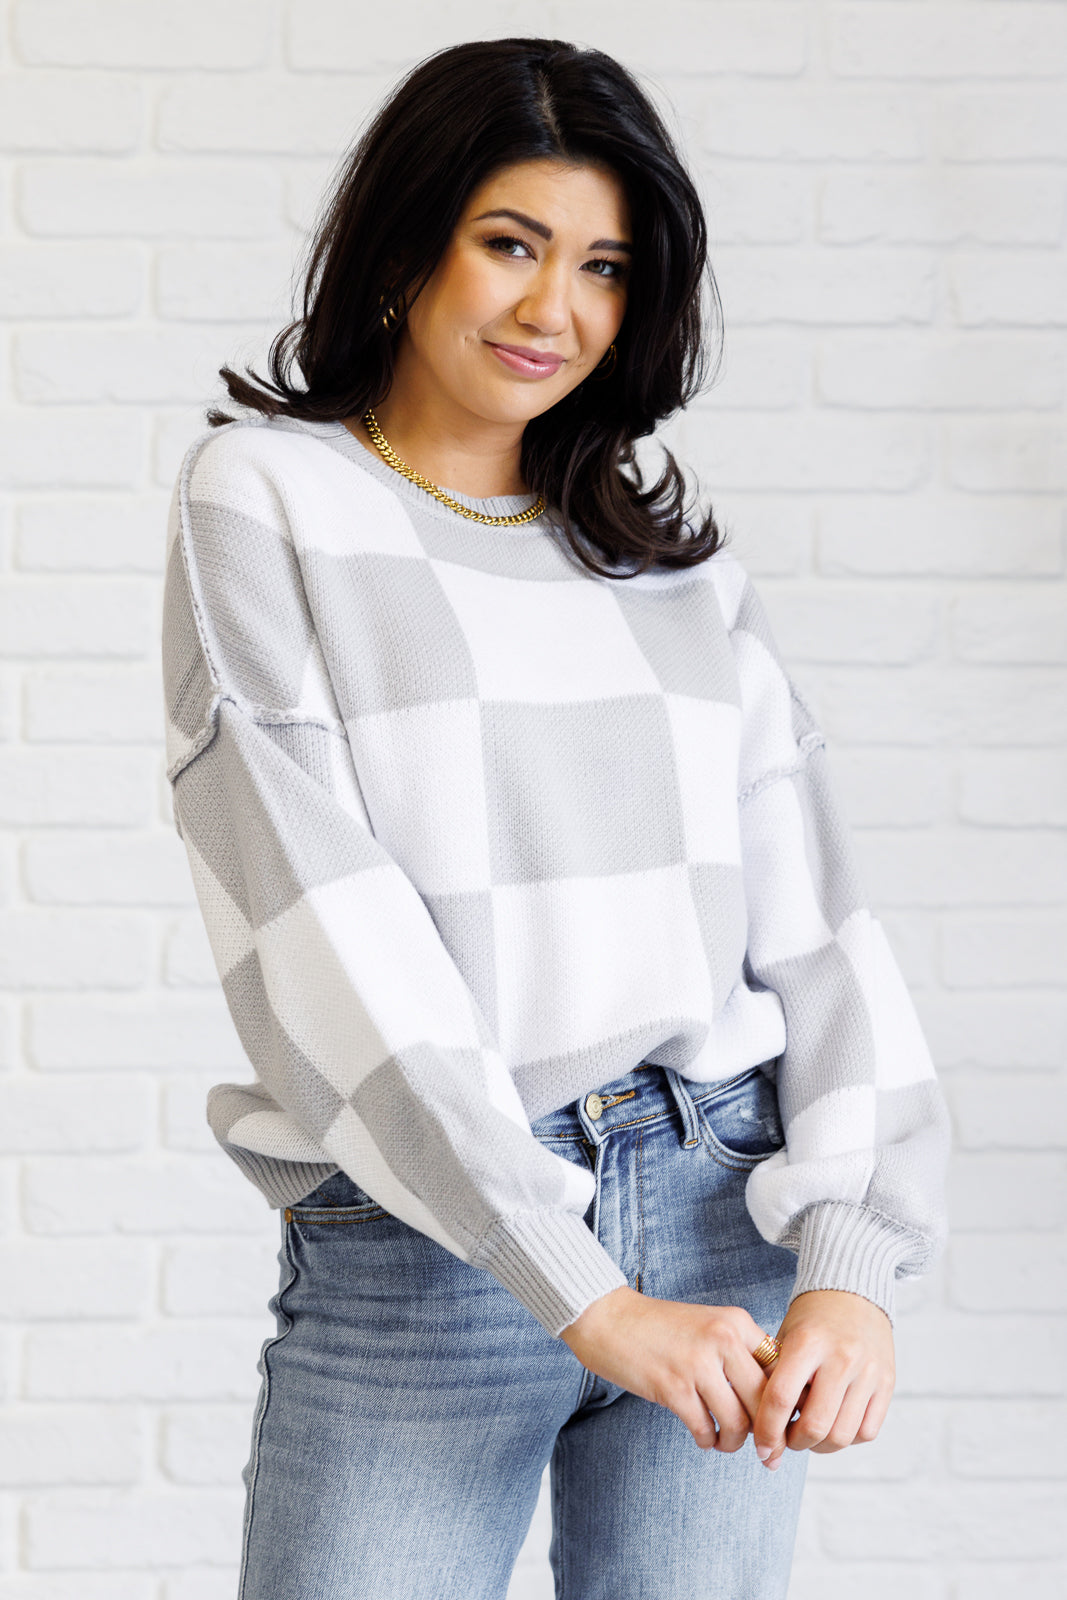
(474, 830)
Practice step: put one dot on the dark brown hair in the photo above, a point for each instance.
(455, 119)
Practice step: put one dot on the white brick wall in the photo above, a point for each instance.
(886, 183)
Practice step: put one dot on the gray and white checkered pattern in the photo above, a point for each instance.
(474, 831)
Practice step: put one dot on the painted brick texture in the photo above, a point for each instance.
(886, 183)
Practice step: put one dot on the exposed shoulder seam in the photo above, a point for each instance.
(805, 745)
(802, 701)
(256, 713)
(268, 715)
(192, 456)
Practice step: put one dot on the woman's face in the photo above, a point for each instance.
(539, 261)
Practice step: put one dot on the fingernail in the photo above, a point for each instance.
(772, 1466)
(763, 1451)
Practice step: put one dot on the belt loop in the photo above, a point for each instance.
(686, 1106)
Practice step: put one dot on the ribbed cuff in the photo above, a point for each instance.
(283, 1182)
(844, 1246)
(552, 1262)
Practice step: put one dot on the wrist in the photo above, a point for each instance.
(598, 1313)
(820, 1301)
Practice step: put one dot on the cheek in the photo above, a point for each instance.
(615, 313)
(601, 316)
(473, 294)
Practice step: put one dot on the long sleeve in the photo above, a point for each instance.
(368, 1045)
(857, 1189)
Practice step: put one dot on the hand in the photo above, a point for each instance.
(693, 1359)
(837, 1366)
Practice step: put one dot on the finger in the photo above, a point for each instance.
(749, 1330)
(748, 1380)
(781, 1396)
(819, 1411)
(774, 1460)
(874, 1416)
(699, 1416)
(700, 1424)
(847, 1423)
(733, 1420)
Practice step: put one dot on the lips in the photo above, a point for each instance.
(521, 358)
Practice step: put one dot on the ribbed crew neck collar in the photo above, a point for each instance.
(498, 505)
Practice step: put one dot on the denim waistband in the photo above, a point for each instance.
(645, 1093)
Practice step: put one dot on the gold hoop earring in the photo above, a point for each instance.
(602, 371)
(391, 315)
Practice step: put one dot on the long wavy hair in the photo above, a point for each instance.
(454, 120)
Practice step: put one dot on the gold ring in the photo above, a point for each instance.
(767, 1351)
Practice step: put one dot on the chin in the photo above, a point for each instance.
(516, 409)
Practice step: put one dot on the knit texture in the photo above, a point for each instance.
(474, 831)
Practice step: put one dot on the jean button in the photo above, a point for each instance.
(594, 1106)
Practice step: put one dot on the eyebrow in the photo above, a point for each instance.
(546, 232)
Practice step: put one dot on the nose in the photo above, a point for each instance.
(546, 303)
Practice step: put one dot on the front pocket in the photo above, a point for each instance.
(338, 1199)
(743, 1123)
(329, 1214)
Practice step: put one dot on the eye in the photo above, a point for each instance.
(500, 242)
(619, 269)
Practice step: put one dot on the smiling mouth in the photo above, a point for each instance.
(528, 363)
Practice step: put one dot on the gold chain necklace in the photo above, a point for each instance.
(386, 450)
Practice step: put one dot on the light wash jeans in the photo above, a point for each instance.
(409, 1402)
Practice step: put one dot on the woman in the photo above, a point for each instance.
(583, 1069)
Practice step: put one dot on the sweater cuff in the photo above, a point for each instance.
(844, 1246)
(552, 1262)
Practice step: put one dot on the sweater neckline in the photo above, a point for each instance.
(498, 505)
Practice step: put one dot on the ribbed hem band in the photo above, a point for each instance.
(283, 1182)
